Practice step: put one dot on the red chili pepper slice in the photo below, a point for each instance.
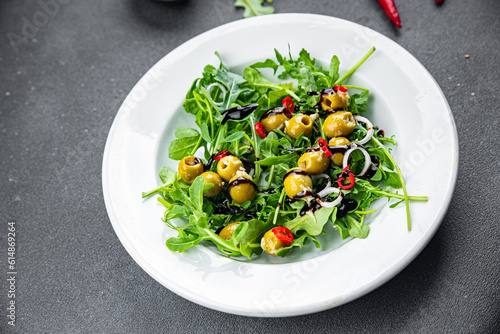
(341, 179)
(439, 1)
(390, 9)
(341, 88)
(324, 146)
(283, 234)
(288, 105)
(221, 155)
(260, 130)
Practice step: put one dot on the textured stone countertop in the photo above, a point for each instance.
(65, 68)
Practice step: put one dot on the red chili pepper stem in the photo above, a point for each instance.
(390, 9)
(283, 234)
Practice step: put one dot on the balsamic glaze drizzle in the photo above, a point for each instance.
(241, 180)
(238, 113)
(345, 206)
(273, 112)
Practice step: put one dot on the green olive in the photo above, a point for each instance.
(211, 177)
(242, 188)
(228, 166)
(314, 161)
(338, 158)
(297, 181)
(333, 100)
(339, 124)
(189, 168)
(270, 243)
(299, 124)
(273, 119)
(227, 232)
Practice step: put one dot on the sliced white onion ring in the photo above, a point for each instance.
(325, 176)
(369, 125)
(222, 88)
(252, 171)
(368, 160)
(327, 191)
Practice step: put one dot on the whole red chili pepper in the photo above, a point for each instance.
(324, 146)
(341, 88)
(342, 178)
(288, 105)
(260, 130)
(283, 234)
(390, 9)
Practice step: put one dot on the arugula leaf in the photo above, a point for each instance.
(276, 160)
(180, 195)
(253, 8)
(305, 59)
(255, 230)
(205, 134)
(257, 80)
(357, 102)
(269, 63)
(355, 228)
(180, 244)
(180, 148)
(334, 70)
(393, 180)
(196, 193)
(313, 226)
(298, 242)
(232, 137)
(233, 84)
(167, 175)
(176, 211)
(306, 79)
(184, 132)
(340, 225)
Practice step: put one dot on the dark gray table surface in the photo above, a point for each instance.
(60, 88)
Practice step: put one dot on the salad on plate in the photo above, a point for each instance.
(280, 151)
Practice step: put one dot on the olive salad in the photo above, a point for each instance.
(273, 161)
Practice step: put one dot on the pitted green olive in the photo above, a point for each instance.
(189, 168)
(339, 124)
(227, 232)
(338, 158)
(314, 161)
(299, 124)
(297, 181)
(211, 177)
(242, 188)
(228, 166)
(270, 243)
(273, 119)
(333, 100)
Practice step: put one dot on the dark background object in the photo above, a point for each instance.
(60, 89)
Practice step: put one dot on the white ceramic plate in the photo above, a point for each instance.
(405, 101)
